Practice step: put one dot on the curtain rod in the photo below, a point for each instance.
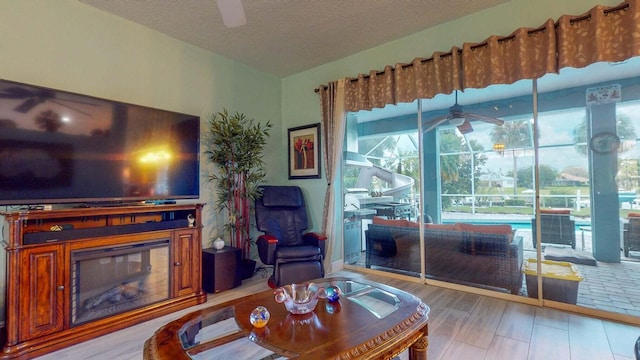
(502, 39)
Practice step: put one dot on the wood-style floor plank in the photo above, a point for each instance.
(443, 329)
(481, 326)
(461, 326)
(622, 338)
(461, 350)
(588, 339)
(548, 342)
(503, 348)
(517, 322)
(551, 317)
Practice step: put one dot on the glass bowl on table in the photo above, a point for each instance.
(300, 298)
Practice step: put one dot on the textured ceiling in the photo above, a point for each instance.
(284, 37)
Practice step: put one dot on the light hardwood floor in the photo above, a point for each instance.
(461, 326)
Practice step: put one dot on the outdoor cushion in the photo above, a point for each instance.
(558, 253)
(389, 222)
(440, 226)
(485, 229)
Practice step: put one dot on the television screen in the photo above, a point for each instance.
(61, 147)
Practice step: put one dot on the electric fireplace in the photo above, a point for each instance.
(110, 280)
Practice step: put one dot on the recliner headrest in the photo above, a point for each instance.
(283, 196)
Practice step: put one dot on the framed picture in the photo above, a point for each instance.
(304, 152)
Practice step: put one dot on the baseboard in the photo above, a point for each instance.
(337, 266)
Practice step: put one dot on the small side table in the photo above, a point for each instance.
(221, 269)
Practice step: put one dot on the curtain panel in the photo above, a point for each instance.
(602, 34)
(525, 54)
(333, 128)
(422, 78)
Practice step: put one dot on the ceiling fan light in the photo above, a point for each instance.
(456, 121)
(232, 13)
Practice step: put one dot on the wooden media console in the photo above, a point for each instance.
(77, 273)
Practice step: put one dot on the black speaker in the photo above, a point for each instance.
(72, 234)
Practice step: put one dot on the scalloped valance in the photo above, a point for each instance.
(602, 34)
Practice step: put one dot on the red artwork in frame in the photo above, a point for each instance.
(304, 152)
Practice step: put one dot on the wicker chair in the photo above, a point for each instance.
(631, 235)
(556, 227)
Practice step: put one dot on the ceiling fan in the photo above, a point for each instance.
(460, 119)
(232, 13)
(34, 98)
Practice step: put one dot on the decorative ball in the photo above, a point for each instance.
(333, 293)
(259, 317)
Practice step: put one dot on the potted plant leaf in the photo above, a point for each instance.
(235, 145)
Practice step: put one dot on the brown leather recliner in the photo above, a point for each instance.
(296, 255)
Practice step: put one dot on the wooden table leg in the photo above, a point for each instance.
(418, 351)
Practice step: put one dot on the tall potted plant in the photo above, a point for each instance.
(235, 145)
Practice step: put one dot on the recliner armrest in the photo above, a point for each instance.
(315, 239)
(267, 248)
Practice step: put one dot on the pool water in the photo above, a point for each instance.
(515, 224)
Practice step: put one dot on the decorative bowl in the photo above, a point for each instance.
(300, 298)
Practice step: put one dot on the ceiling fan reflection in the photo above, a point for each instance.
(460, 119)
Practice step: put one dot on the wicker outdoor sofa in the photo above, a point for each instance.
(476, 255)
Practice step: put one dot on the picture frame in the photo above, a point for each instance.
(304, 152)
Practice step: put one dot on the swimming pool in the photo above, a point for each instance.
(516, 224)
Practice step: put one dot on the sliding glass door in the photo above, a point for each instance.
(504, 182)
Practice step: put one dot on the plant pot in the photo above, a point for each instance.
(247, 268)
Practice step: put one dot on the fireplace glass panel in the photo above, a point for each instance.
(111, 280)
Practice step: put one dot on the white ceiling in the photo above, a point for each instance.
(284, 37)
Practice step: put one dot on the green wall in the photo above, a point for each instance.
(300, 104)
(67, 45)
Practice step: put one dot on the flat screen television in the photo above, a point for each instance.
(61, 147)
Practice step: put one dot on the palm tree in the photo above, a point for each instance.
(450, 143)
(513, 135)
(49, 121)
(458, 168)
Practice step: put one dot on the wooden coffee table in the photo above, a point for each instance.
(370, 321)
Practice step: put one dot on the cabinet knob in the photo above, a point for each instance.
(60, 288)
(177, 263)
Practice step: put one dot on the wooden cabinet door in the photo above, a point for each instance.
(186, 262)
(42, 295)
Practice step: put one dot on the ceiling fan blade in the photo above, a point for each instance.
(27, 105)
(456, 112)
(70, 107)
(484, 118)
(433, 123)
(232, 13)
(465, 127)
(15, 92)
